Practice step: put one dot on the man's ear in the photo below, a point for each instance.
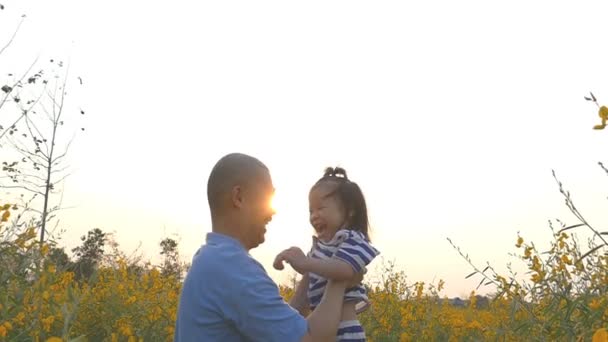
(236, 196)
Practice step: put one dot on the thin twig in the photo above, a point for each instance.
(10, 41)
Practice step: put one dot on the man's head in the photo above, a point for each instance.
(239, 191)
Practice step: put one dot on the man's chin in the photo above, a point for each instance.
(261, 239)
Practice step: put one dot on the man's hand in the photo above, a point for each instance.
(355, 280)
(293, 256)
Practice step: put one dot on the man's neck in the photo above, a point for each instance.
(230, 229)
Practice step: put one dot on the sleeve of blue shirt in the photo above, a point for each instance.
(261, 313)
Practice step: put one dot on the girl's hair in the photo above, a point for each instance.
(351, 197)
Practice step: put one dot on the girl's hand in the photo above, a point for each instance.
(293, 256)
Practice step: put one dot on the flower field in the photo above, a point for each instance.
(563, 297)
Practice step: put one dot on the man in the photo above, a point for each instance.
(227, 295)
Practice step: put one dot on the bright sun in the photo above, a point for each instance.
(273, 202)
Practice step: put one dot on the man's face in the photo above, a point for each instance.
(258, 208)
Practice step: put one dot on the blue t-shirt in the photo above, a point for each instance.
(228, 296)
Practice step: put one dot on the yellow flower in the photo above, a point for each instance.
(474, 324)
(5, 216)
(419, 289)
(170, 330)
(595, 304)
(536, 266)
(566, 260)
(603, 113)
(8, 325)
(125, 329)
(520, 240)
(3, 331)
(19, 318)
(47, 322)
(131, 300)
(538, 277)
(473, 300)
(601, 335)
(54, 339)
(404, 337)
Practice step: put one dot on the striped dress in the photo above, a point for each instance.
(353, 248)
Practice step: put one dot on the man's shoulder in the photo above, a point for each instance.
(225, 263)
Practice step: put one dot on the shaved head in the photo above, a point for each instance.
(235, 169)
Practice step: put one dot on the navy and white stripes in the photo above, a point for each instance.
(351, 247)
(350, 331)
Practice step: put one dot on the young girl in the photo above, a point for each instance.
(341, 249)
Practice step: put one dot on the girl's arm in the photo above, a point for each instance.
(299, 301)
(333, 268)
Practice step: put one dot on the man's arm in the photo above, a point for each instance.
(259, 313)
(323, 321)
(299, 301)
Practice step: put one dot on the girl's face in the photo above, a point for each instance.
(327, 214)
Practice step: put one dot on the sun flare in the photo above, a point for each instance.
(273, 203)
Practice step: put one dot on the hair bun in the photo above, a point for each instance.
(337, 172)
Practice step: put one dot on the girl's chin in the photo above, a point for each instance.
(323, 238)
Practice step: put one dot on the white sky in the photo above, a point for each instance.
(449, 114)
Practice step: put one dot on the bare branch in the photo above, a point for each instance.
(61, 179)
(33, 176)
(64, 152)
(60, 170)
(603, 167)
(54, 102)
(26, 181)
(23, 114)
(23, 188)
(30, 155)
(18, 82)
(63, 92)
(575, 211)
(28, 121)
(12, 125)
(13, 36)
(35, 211)
(46, 112)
